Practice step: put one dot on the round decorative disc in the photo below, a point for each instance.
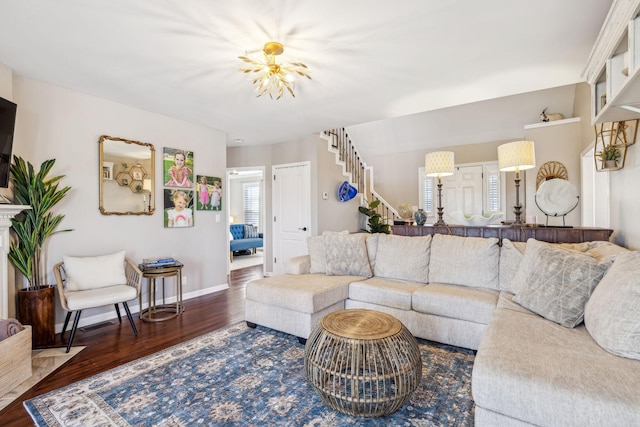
(557, 197)
(361, 324)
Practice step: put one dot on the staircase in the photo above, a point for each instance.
(357, 172)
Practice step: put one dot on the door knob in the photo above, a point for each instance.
(303, 228)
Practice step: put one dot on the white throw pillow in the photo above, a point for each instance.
(557, 282)
(612, 314)
(346, 254)
(403, 257)
(94, 272)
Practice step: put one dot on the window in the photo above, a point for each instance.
(426, 192)
(493, 191)
(251, 203)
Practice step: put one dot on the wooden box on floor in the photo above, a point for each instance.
(15, 360)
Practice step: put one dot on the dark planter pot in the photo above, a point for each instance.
(38, 309)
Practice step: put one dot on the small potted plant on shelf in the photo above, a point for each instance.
(32, 228)
(610, 157)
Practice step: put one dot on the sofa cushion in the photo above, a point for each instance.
(307, 293)
(457, 302)
(467, 261)
(386, 292)
(511, 254)
(403, 257)
(536, 371)
(346, 254)
(237, 231)
(93, 272)
(612, 315)
(316, 253)
(556, 283)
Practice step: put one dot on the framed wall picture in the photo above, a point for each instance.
(178, 208)
(208, 193)
(178, 168)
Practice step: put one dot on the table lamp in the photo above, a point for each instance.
(439, 164)
(514, 157)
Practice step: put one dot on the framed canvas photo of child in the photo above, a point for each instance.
(178, 208)
(208, 193)
(178, 168)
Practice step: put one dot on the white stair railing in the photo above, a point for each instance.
(357, 172)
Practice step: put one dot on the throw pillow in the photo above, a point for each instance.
(346, 254)
(250, 231)
(558, 282)
(94, 272)
(403, 257)
(612, 315)
(316, 255)
(465, 261)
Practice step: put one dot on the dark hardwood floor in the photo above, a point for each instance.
(111, 344)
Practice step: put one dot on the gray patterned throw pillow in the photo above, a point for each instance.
(558, 282)
(346, 254)
(250, 231)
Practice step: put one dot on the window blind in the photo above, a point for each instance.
(251, 203)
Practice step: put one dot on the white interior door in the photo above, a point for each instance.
(462, 191)
(291, 212)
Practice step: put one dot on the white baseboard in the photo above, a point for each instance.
(134, 306)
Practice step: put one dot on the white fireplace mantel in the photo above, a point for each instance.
(7, 212)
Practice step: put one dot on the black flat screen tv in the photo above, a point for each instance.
(7, 126)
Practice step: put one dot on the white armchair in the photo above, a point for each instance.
(88, 282)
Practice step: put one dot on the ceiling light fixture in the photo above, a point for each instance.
(274, 78)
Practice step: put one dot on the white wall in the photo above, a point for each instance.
(53, 122)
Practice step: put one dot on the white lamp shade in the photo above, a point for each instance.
(516, 156)
(439, 163)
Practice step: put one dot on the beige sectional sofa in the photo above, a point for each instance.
(520, 305)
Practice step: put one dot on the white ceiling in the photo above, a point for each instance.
(371, 60)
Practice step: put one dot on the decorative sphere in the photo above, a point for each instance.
(405, 211)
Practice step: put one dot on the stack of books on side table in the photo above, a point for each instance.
(151, 263)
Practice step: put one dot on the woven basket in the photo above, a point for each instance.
(15, 360)
(362, 362)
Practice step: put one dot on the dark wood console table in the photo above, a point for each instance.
(513, 233)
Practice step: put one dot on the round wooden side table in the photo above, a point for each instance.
(159, 312)
(363, 362)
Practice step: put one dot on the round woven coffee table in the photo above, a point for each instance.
(363, 362)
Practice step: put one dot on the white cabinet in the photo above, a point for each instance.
(613, 69)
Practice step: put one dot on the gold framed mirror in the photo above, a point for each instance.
(127, 179)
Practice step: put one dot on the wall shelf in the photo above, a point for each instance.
(613, 69)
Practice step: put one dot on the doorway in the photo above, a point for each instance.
(291, 212)
(245, 205)
(595, 192)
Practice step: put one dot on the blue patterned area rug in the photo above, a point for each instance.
(245, 377)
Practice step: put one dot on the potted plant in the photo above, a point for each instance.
(376, 223)
(610, 156)
(32, 228)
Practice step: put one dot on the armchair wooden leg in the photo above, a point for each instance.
(118, 312)
(76, 319)
(66, 323)
(133, 325)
